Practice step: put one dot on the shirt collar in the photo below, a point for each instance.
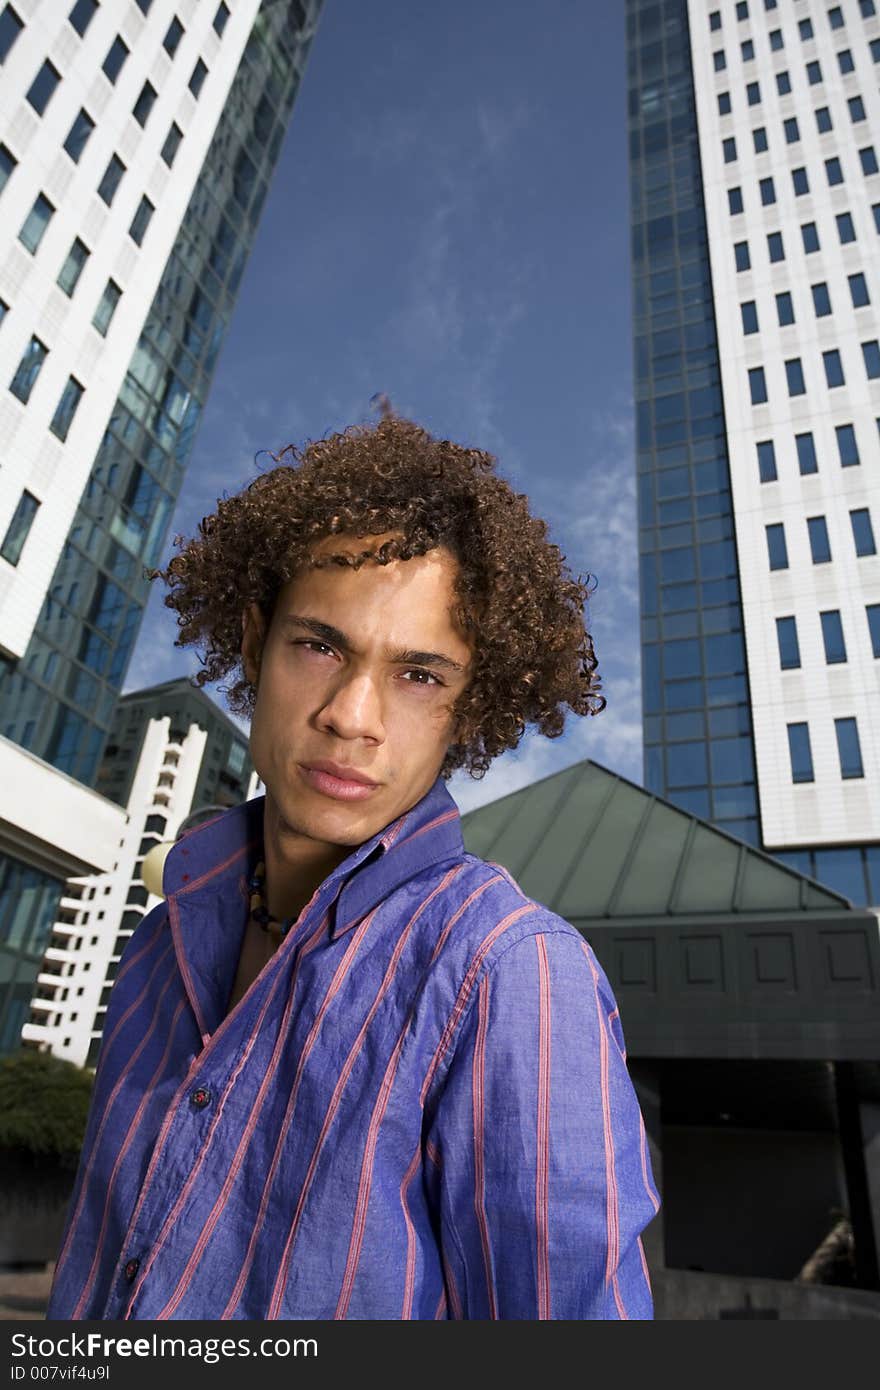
(428, 833)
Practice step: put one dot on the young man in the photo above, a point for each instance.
(348, 1069)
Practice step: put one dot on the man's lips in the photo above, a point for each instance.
(338, 781)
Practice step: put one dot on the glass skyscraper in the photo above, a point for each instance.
(138, 141)
(755, 200)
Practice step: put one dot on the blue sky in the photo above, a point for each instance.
(449, 225)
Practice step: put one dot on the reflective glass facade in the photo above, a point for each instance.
(58, 701)
(697, 724)
(28, 907)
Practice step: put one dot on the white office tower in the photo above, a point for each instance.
(755, 139)
(175, 758)
(138, 139)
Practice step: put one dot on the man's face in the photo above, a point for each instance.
(355, 678)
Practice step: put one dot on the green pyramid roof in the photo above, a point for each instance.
(589, 844)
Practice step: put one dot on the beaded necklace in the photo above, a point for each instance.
(259, 911)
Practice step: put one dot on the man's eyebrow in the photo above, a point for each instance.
(333, 635)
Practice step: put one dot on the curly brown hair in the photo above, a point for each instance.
(517, 598)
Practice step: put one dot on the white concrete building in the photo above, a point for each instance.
(188, 759)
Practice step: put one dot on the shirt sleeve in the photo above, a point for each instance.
(544, 1176)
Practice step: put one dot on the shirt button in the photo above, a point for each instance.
(200, 1097)
(131, 1270)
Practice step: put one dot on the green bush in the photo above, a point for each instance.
(44, 1104)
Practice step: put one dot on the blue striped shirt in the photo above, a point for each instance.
(419, 1109)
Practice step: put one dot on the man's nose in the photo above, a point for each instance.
(354, 709)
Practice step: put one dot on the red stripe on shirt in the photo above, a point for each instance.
(126, 1144)
(281, 1280)
(464, 992)
(478, 1084)
(108, 1108)
(542, 1205)
(611, 1198)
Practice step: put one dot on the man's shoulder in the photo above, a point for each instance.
(489, 909)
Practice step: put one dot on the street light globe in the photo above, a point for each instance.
(153, 866)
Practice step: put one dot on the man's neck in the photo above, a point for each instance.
(295, 865)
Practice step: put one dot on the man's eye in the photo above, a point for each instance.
(312, 644)
(420, 677)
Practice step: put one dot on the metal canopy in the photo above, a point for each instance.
(591, 844)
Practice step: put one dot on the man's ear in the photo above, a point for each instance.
(253, 636)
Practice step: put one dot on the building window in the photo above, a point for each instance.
(107, 307)
(800, 182)
(776, 41)
(784, 309)
(768, 192)
(747, 49)
(759, 139)
(28, 370)
(848, 749)
(735, 203)
(742, 9)
(821, 299)
(724, 103)
(858, 289)
(787, 640)
(814, 73)
(749, 317)
(845, 61)
(823, 120)
(799, 752)
(741, 254)
(806, 453)
(835, 17)
(783, 84)
(875, 50)
(35, 223)
(78, 135)
(42, 87)
(792, 130)
(753, 93)
(766, 461)
(729, 147)
(757, 385)
(197, 80)
(7, 164)
(221, 17)
(144, 104)
(832, 637)
(872, 613)
(820, 547)
(141, 221)
(116, 56)
(715, 19)
(868, 160)
(172, 144)
(863, 532)
(776, 548)
(173, 35)
(867, 8)
(875, 208)
(73, 266)
(794, 375)
(856, 109)
(810, 237)
(845, 228)
(10, 28)
(111, 180)
(834, 171)
(805, 29)
(775, 247)
(19, 528)
(82, 15)
(871, 354)
(66, 408)
(833, 368)
(847, 447)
